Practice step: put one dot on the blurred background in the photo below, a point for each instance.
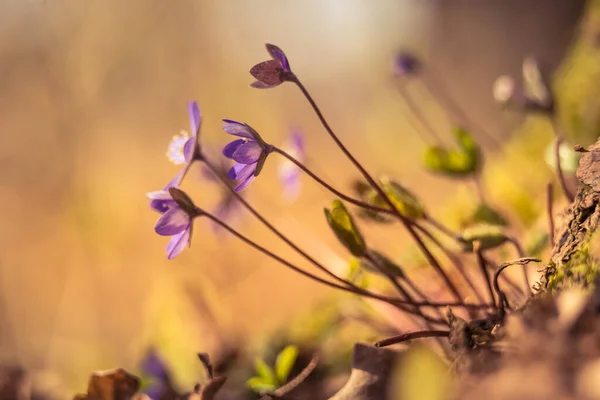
(92, 92)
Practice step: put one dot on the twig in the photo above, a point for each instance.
(411, 336)
(298, 379)
(520, 254)
(502, 300)
(484, 273)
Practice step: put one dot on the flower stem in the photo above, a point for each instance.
(273, 229)
(453, 258)
(521, 254)
(484, 273)
(417, 112)
(405, 221)
(393, 280)
(411, 336)
(329, 187)
(316, 278)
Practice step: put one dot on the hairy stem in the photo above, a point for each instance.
(405, 221)
(325, 282)
(327, 186)
(412, 336)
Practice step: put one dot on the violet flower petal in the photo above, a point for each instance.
(247, 153)
(245, 172)
(172, 222)
(278, 54)
(188, 149)
(260, 85)
(268, 72)
(236, 129)
(245, 183)
(230, 148)
(177, 244)
(195, 117)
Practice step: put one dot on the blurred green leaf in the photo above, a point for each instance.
(383, 265)
(404, 200)
(265, 372)
(345, 229)
(463, 161)
(355, 273)
(260, 385)
(285, 362)
(487, 215)
(489, 236)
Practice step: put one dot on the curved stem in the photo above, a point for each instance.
(442, 228)
(405, 221)
(453, 258)
(411, 336)
(521, 254)
(325, 282)
(441, 93)
(402, 291)
(484, 273)
(273, 229)
(414, 108)
(329, 187)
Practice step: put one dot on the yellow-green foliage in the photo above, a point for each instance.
(581, 270)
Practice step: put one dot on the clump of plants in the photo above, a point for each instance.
(486, 321)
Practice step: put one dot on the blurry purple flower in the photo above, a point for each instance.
(250, 153)
(154, 367)
(406, 64)
(289, 173)
(176, 221)
(273, 72)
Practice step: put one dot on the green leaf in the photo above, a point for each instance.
(260, 385)
(285, 362)
(265, 372)
(461, 162)
(342, 224)
(404, 200)
(489, 237)
(384, 266)
(355, 273)
(487, 215)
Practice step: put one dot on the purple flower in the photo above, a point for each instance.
(183, 149)
(289, 173)
(176, 221)
(273, 72)
(250, 153)
(154, 367)
(406, 64)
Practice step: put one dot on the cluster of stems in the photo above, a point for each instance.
(410, 298)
